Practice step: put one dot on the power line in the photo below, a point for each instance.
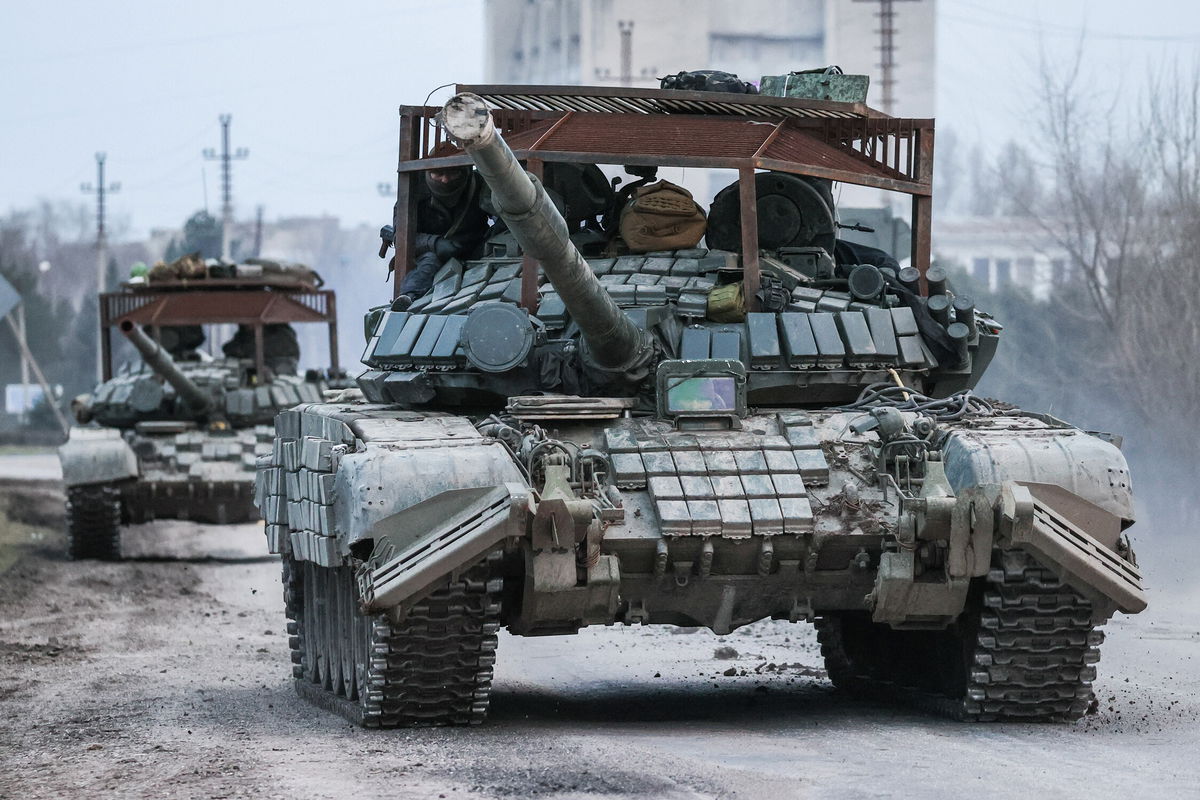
(156, 157)
(155, 43)
(226, 158)
(1056, 30)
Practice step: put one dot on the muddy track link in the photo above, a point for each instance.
(94, 522)
(293, 607)
(1023, 650)
(435, 668)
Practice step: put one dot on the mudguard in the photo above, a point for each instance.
(96, 455)
(1059, 494)
(451, 530)
(1088, 467)
(1081, 560)
(365, 483)
(416, 495)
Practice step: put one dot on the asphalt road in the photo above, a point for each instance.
(36, 465)
(168, 676)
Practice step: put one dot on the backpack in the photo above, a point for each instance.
(707, 80)
(661, 216)
(187, 267)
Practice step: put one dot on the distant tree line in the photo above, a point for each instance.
(1116, 348)
(201, 234)
(60, 336)
(62, 327)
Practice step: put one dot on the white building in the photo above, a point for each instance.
(632, 42)
(580, 41)
(998, 251)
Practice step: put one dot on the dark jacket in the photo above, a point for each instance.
(462, 226)
(852, 253)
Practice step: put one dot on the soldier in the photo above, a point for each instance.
(281, 350)
(852, 253)
(180, 341)
(450, 223)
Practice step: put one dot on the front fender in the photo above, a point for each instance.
(384, 480)
(1089, 468)
(96, 455)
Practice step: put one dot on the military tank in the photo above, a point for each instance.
(699, 437)
(175, 433)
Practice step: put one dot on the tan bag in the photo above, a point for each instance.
(280, 273)
(662, 216)
(187, 267)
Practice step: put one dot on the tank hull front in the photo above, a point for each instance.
(195, 475)
(385, 513)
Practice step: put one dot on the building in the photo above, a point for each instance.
(634, 43)
(1001, 251)
(625, 42)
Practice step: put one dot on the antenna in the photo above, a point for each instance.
(226, 158)
(887, 51)
(100, 189)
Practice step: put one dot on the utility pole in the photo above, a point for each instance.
(100, 190)
(10, 302)
(625, 78)
(47, 391)
(887, 52)
(625, 26)
(20, 312)
(258, 214)
(226, 158)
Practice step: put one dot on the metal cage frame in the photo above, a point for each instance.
(219, 301)
(846, 142)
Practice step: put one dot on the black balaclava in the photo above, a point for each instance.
(448, 194)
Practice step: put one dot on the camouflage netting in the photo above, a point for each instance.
(192, 267)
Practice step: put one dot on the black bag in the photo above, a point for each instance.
(707, 80)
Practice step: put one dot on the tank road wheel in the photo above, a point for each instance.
(94, 522)
(850, 645)
(1023, 649)
(434, 668)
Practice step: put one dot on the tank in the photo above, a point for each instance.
(177, 437)
(549, 440)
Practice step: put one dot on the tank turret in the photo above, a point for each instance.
(198, 400)
(613, 341)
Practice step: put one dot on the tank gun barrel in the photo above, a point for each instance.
(198, 400)
(613, 341)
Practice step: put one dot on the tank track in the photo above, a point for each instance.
(434, 668)
(1023, 650)
(94, 522)
(293, 608)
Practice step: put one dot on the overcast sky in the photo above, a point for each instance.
(313, 89)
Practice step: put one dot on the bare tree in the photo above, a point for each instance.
(1122, 198)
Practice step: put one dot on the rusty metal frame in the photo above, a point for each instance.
(845, 142)
(611, 99)
(240, 303)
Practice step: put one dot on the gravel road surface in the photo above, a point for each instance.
(168, 676)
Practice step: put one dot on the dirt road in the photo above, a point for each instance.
(167, 676)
